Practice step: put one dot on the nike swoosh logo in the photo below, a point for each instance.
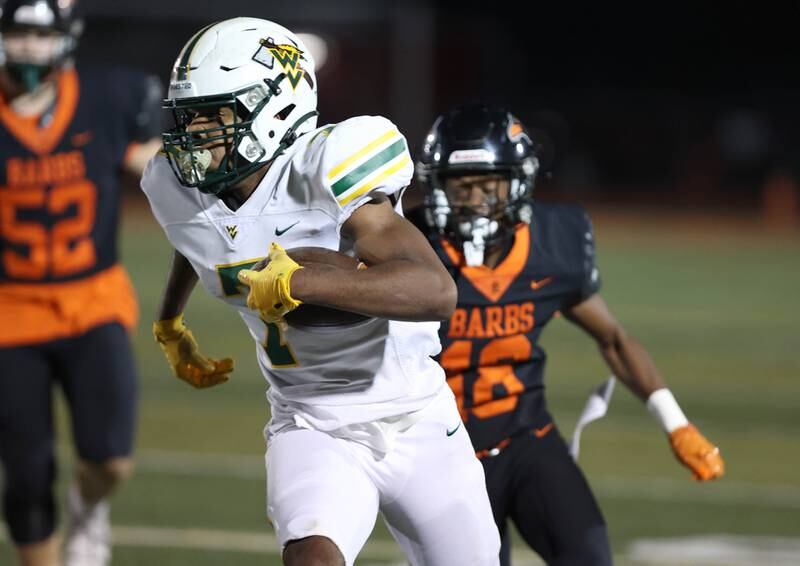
(536, 285)
(452, 432)
(540, 432)
(280, 232)
(82, 138)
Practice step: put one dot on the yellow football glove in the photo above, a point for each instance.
(269, 288)
(695, 452)
(184, 357)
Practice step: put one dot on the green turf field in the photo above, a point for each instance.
(717, 310)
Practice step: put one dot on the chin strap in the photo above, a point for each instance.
(290, 136)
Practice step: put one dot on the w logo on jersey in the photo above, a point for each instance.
(287, 55)
(232, 231)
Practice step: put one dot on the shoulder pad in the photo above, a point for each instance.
(362, 154)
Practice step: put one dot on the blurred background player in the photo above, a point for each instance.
(517, 263)
(362, 420)
(66, 305)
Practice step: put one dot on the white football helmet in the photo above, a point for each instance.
(260, 69)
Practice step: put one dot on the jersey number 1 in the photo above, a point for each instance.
(278, 351)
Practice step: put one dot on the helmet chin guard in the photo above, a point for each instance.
(475, 235)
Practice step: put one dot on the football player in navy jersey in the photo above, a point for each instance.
(66, 304)
(517, 263)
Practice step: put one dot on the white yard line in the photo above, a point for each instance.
(711, 550)
(201, 465)
(723, 493)
(248, 542)
(717, 550)
(707, 550)
(229, 541)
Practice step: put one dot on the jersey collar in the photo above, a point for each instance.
(493, 283)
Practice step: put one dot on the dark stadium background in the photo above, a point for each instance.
(675, 103)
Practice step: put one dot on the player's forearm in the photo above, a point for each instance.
(397, 289)
(180, 283)
(638, 372)
(632, 365)
(307, 255)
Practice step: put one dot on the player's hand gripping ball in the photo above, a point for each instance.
(270, 291)
(185, 358)
(695, 452)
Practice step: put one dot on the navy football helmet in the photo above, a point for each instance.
(55, 27)
(468, 143)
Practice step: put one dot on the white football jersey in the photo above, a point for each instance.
(325, 379)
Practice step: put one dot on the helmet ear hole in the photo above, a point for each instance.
(271, 133)
(285, 112)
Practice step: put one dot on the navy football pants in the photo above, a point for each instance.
(97, 375)
(535, 483)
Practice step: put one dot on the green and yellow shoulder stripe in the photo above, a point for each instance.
(369, 152)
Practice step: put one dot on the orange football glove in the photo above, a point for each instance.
(695, 452)
(184, 356)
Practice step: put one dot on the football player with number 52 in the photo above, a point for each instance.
(362, 418)
(67, 132)
(517, 263)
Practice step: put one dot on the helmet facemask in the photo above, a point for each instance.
(474, 140)
(188, 150)
(476, 225)
(31, 54)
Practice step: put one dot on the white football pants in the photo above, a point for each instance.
(430, 488)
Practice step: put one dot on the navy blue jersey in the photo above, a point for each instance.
(490, 346)
(59, 175)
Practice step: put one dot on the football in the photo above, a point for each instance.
(321, 317)
(316, 315)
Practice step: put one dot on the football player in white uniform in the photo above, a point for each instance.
(362, 419)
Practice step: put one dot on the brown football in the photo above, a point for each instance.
(316, 315)
(319, 316)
